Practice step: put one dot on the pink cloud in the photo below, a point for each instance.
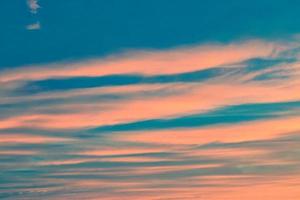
(172, 61)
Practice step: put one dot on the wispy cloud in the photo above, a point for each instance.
(34, 26)
(33, 6)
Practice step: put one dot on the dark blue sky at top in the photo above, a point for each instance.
(81, 29)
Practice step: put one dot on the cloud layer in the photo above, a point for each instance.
(209, 122)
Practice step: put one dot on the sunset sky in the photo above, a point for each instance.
(150, 99)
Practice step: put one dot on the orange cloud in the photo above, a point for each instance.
(238, 133)
(109, 151)
(186, 99)
(225, 188)
(157, 62)
(29, 139)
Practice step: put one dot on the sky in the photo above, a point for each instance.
(149, 100)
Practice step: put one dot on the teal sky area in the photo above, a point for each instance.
(81, 29)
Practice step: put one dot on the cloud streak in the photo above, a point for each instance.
(175, 61)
